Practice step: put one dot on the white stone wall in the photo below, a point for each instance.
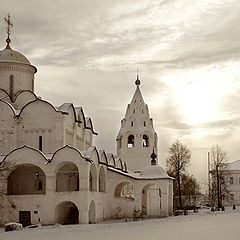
(106, 204)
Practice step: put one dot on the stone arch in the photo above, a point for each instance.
(151, 200)
(92, 212)
(125, 190)
(93, 178)
(26, 179)
(67, 177)
(67, 213)
(102, 180)
(130, 142)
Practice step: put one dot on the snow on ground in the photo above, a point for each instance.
(200, 226)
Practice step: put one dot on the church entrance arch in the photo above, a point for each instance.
(92, 213)
(151, 200)
(67, 213)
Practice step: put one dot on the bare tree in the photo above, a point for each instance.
(5, 167)
(177, 163)
(218, 187)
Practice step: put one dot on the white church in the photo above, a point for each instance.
(51, 172)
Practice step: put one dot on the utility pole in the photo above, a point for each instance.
(209, 183)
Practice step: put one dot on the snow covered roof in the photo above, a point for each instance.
(153, 172)
(150, 172)
(233, 165)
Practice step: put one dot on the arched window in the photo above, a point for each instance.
(130, 141)
(145, 141)
(133, 110)
(132, 123)
(231, 180)
(144, 124)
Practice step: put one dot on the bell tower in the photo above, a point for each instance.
(137, 138)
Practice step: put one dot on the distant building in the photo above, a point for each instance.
(232, 179)
(54, 173)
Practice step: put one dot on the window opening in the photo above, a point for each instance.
(145, 141)
(130, 141)
(40, 143)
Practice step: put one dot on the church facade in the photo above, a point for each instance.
(51, 172)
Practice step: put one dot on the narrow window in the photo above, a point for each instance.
(142, 111)
(144, 124)
(130, 141)
(145, 141)
(40, 143)
(11, 86)
(133, 110)
(231, 180)
(132, 124)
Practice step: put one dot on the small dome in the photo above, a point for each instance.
(154, 171)
(9, 55)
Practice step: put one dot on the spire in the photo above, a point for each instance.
(137, 82)
(8, 29)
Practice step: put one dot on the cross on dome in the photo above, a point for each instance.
(8, 29)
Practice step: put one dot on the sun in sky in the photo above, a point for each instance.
(199, 93)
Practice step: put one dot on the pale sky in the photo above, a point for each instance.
(187, 53)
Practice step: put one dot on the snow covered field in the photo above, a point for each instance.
(203, 225)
